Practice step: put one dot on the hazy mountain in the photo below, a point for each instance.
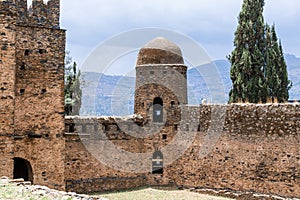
(104, 92)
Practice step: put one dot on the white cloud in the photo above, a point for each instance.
(210, 22)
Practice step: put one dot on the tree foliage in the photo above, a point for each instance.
(258, 69)
(73, 91)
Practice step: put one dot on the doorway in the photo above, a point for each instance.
(22, 169)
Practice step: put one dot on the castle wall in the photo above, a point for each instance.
(32, 101)
(257, 149)
(7, 68)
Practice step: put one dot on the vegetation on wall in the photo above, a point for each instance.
(258, 69)
(72, 89)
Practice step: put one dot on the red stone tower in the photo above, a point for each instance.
(31, 92)
(161, 84)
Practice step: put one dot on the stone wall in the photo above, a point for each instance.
(31, 90)
(240, 147)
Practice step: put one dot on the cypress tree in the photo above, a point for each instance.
(72, 90)
(258, 69)
(271, 68)
(247, 60)
(284, 83)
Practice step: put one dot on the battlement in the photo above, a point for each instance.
(38, 14)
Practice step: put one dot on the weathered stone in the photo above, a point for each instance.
(29, 116)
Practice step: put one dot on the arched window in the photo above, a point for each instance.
(22, 169)
(158, 111)
(157, 163)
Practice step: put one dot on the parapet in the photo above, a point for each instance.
(38, 14)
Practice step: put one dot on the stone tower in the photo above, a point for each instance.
(161, 84)
(31, 92)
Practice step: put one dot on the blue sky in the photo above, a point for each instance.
(211, 23)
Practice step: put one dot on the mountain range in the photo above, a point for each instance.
(101, 92)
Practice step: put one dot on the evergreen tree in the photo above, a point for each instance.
(258, 69)
(285, 84)
(247, 60)
(271, 64)
(73, 92)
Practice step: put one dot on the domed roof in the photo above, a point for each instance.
(160, 51)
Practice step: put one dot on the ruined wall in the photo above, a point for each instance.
(257, 149)
(33, 99)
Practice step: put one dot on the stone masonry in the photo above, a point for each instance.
(242, 147)
(32, 99)
(255, 149)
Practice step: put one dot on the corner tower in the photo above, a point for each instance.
(32, 53)
(161, 84)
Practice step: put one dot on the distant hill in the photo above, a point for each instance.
(105, 91)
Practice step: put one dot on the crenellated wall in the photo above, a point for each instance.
(38, 14)
(31, 92)
(241, 147)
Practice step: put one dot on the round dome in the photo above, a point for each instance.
(160, 51)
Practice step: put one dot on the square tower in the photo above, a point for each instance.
(32, 99)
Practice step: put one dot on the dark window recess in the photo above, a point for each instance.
(3, 33)
(157, 163)
(106, 127)
(158, 110)
(164, 136)
(26, 53)
(44, 91)
(172, 104)
(23, 66)
(43, 61)
(34, 135)
(72, 128)
(22, 91)
(199, 128)
(42, 51)
(176, 127)
(4, 47)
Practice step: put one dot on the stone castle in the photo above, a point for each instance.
(167, 143)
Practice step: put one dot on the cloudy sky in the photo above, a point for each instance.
(211, 23)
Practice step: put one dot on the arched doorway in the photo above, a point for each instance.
(158, 111)
(22, 169)
(157, 163)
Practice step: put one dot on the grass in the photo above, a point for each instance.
(14, 192)
(155, 194)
